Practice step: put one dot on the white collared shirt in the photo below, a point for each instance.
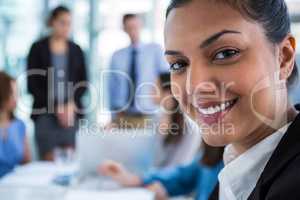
(241, 173)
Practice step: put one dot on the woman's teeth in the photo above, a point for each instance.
(217, 108)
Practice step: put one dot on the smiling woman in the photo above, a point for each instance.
(232, 64)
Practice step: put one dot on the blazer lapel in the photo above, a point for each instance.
(288, 148)
(70, 62)
(47, 53)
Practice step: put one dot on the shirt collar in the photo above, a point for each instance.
(137, 46)
(241, 172)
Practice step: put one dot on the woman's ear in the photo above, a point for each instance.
(287, 56)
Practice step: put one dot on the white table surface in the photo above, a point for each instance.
(35, 182)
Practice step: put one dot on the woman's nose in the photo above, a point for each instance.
(200, 82)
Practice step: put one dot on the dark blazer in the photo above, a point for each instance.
(40, 58)
(280, 180)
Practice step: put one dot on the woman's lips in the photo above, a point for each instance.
(212, 112)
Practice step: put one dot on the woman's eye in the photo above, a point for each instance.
(226, 54)
(178, 66)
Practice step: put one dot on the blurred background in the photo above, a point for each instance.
(95, 22)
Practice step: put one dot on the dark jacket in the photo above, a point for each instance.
(280, 179)
(40, 58)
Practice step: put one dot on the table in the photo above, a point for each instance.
(35, 182)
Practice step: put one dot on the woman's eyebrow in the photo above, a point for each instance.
(216, 36)
(206, 42)
(173, 53)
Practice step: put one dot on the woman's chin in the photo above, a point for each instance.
(216, 139)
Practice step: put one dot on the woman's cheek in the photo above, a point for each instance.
(178, 90)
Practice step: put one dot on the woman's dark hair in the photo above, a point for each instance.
(5, 89)
(273, 15)
(175, 131)
(56, 12)
(211, 155)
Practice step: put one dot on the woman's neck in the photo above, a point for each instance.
(58, 45)
(4, 118)
(55, 38)
(264, 131)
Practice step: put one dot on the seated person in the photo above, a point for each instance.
(14, 148)
(199, 176)
(177, 140)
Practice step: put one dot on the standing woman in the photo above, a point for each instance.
(232, 63)
(57, 88)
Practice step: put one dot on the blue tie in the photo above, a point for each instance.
(132, 74)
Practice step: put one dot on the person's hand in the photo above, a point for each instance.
(119, 174)
(66, 114)
(115, 123)
(159, 191)
(110, 126)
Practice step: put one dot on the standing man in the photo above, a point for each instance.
(134, 70)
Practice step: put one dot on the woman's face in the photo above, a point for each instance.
(224, 71)
(12, 99)
(61, 25)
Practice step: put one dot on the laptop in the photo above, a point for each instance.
(134, 148)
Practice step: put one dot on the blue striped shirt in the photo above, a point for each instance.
(184, 180)
(150, 62)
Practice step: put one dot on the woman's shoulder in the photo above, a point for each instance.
(74, 46)
(19, 124)
(282, 171)
(40, 43)
(287, 183)
(293, 166)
